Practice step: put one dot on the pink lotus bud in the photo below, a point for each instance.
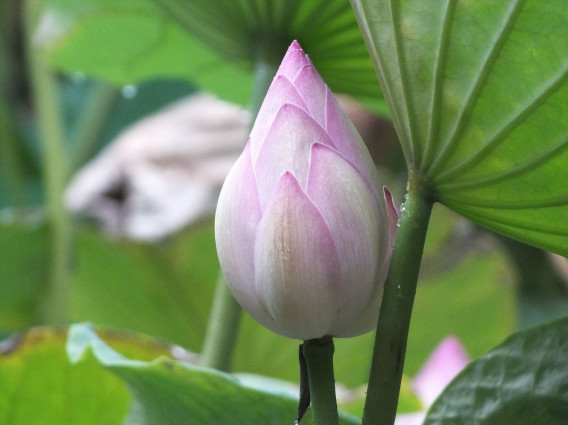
(303, 233)
(447, 360)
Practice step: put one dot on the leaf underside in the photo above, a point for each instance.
(479, 95)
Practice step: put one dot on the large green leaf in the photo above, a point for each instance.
(23, 267)
(39, 386)
(162, 290)
(478, 92)
(216, 45)
(170, 392)
(524, 381)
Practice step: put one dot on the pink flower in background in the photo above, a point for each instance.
(447, 360)
(303, 231)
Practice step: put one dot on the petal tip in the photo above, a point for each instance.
(293, 61)
(295, 45)
(391, 202)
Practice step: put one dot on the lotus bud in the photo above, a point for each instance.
(303, 229)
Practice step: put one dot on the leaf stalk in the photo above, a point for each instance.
(396, 309)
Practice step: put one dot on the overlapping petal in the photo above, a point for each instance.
(236, 219)
(281, 92)
(297, 264)
(347, 203)
(349, 143)
(287, 148)
(313, 91)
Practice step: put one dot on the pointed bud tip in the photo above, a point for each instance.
(294, 60)
(295, 46)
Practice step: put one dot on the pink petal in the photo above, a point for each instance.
(354, 217)
(313, 90)
(287, 148)
(393, 214)
(447, 360)
(348, 141)
(294, 60)
(281, 91)
(296, 264)
(236, 220)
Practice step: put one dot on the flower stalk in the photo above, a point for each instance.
(223, 328)
(396, 309)
(55, 163)
(318, 354)
(224, 320)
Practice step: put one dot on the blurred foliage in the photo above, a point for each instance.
(39, 385)
(216, 45)
(165, 290)
(468, 284)
(35, 370)
(23, 268)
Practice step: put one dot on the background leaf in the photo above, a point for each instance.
(479, 96)
(215, 45)
(169, 392)
(524, 381)
(163, 290)
(38, 384)
(23, 267)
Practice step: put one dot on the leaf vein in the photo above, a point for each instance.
(507, 204)
(487, 220)
(403, 82)
(508, 128)
(515, 171)
(434, 123)
(472, 98)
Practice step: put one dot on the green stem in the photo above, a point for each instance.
(223, 326)
(222, 330)
(319, 359)
(264, 72)
(88, 129)
(396, 309)
(45, 97)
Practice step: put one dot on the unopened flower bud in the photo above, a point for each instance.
(302, 228)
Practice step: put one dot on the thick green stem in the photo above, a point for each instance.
(222, 329)
(396, 309)
(45, 96)
(223, 326)
(319, 359)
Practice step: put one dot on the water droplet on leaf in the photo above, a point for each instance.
(129, 92)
